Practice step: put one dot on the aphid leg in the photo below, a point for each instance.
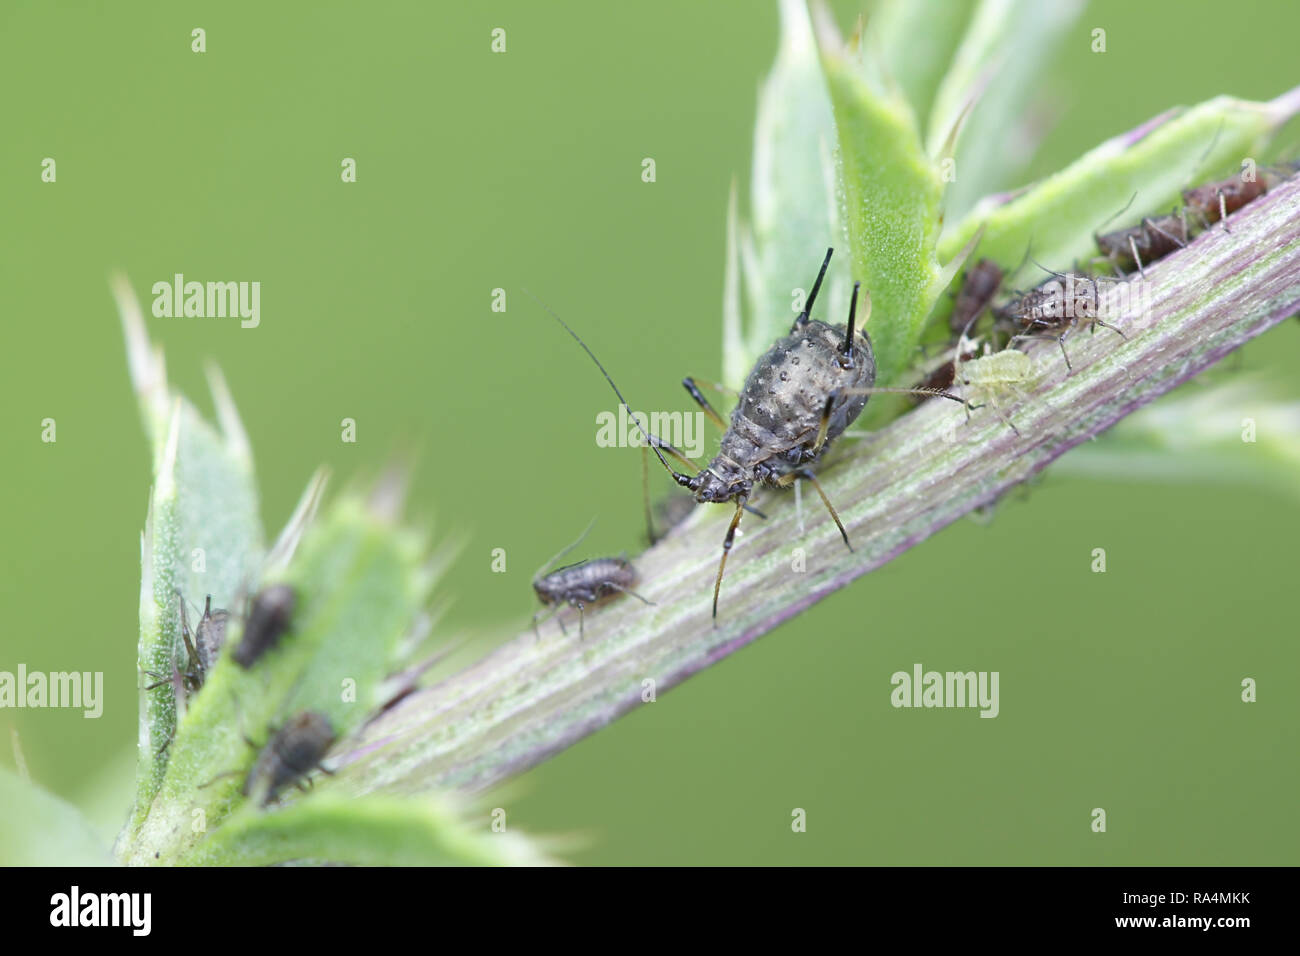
(1006, 419)
(1060, 340)
(808, 475)
(728, 541)
(1149, 224)
(1223, 211)
(645, 497)
(803, 316)
(674, 452)
(582, 615)
(619, 587)
(1107, 325)
(536, 630)
(186, 635)
(695, 393)
(1132, 244)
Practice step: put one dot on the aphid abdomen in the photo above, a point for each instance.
(780, 409)
(267, 622)
(1008, 367)
(1213, 200)
(291, 754)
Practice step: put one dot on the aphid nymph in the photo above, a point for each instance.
(202, 646)
(208, 638)
(1058, 305)
(996, 377)
(293, 752)
(268, 620)
(583, 584)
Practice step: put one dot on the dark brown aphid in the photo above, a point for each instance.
(583, 584)
(800, 395)
(978, 288)
(1214, 202)
(268, 620)
(1145, 243)
(293, 752)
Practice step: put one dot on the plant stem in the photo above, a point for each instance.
(532, 698)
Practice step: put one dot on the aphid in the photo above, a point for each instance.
(800, 395)
(202, 647)
(1058, 305)
(208, 639)
(1216, 201)
(978, 288)
(268, 620)
(995, 377)
(582, 584)
(293, 752)
(1145, 243)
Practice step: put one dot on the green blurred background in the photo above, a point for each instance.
(479, 171)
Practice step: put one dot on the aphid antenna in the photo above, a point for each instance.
(1118, 214)
(555, 560)
(686, 481)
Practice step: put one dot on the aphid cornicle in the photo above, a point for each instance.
(268, 620)
(583, 584)
(293, 752)
(801, 394)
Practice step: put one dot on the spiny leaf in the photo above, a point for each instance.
(998, 67)
(360, 586)
(914, 41)
(792, 202)
(891, 193)
(202, 535)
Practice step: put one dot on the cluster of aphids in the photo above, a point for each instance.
(295, 749)
(802, 394)
(1068, 301)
